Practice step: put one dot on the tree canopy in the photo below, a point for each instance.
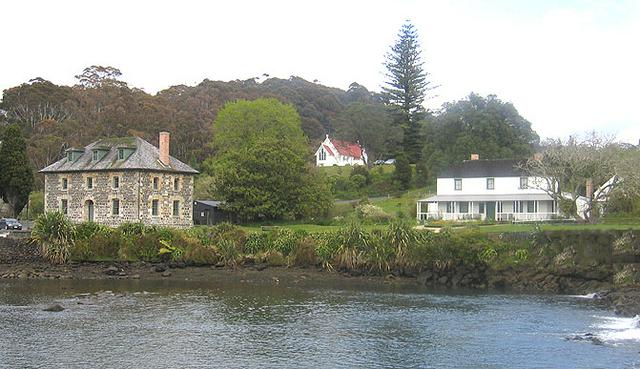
(16, 177)
(261, 165)
(566, 166)
(371, 125)
(54, 118)
(477, 125)
(242, 122)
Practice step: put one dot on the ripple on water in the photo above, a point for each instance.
(298, 328)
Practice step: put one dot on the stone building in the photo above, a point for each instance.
(118, 180)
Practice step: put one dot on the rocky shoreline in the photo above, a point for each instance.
(624, 301)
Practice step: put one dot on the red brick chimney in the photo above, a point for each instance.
(163, 146)
(475, 157)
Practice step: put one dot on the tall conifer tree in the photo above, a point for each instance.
(406, 88)
(16, 176)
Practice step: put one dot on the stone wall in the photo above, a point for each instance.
(18, 251)
(135, 194)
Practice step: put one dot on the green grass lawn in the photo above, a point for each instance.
(405, 203)
(346, 170)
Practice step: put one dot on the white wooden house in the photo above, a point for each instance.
(488, 190)
(340, 153)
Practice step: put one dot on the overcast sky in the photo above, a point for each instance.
(568, 66)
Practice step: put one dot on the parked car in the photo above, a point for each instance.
(388, 161)
(10, 223)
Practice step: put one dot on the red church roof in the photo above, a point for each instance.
(347, 148)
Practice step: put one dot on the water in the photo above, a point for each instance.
(137, 324)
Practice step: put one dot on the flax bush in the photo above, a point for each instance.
(55, 235)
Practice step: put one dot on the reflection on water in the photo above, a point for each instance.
(168, 324)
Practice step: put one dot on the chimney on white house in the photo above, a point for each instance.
(589, 187)
(475, 157)
(163, 147)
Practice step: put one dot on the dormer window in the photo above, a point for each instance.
(124, 152)
(74, 154)
(98, 154)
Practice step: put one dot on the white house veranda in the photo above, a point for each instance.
(502, 208)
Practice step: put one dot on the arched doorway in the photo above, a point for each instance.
(88, 210)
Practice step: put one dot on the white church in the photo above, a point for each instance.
(340, 153)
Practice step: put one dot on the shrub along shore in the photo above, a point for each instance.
(559, 261)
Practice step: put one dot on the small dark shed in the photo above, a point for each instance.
(208, 212)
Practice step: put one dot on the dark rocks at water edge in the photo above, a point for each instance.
(112, 270)
(589, 337)
(54, 308)
(160, 268)
(625, 301)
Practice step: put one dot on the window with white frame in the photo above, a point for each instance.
(518, 206)
(89, 183)
(491, 183)
(115, 207)
(457, 184)
(524, 183)
(463, 207)
(154, 207)
(176, 208)
(532, 206)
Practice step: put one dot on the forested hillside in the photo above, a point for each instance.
(54, 118)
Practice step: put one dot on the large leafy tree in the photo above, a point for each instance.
(406, 87)
(16, 176)
(97, 76)
(261, 163)
(371, 125)
(477, 125)
(566, 166)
